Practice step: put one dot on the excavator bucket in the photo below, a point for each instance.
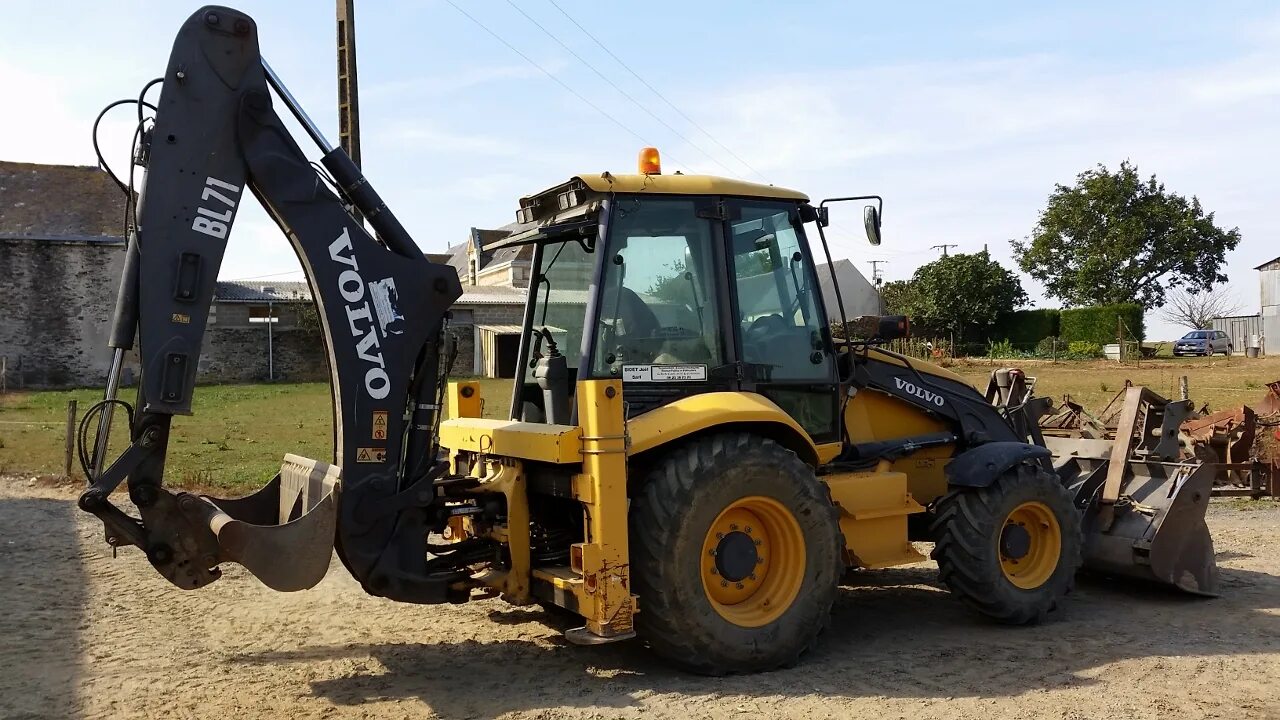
(1144, 511)
(283, 533)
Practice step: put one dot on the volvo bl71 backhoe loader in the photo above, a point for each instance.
(691, 454)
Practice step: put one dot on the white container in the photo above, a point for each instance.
(1112, 351)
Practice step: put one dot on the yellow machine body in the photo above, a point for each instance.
(873, 505)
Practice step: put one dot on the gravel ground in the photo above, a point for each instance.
(88, 636)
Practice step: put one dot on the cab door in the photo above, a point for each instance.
(780, 329)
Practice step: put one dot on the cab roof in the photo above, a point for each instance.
(685, 185)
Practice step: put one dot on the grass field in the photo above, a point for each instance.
(235, 439)
(239, 433)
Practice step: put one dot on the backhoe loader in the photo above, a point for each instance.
(692, 455)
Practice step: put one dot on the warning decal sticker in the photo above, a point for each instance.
(663, 373)
(379, 424)
(371, 455)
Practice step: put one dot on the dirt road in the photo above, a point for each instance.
(82, 635)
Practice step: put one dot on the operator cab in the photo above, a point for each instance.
(678, 285)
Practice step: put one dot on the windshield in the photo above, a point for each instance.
(659, 319)
(562, 284)
(1197, 335)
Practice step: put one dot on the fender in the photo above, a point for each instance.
(717, 410)
(980, 466)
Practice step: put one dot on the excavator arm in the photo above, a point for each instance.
(382, 306)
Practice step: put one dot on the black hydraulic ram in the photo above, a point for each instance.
(382, 306)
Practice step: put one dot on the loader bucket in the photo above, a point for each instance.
(283, 533)
(1158, 530)
(1155, 530)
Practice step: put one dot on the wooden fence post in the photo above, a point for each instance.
(1184, 389)
(71, 438)
(1120, 337)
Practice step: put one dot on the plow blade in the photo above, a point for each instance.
(1154, 530)
(283, 533)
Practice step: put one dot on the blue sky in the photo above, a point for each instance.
(962, 116)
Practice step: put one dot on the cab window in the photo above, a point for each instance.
(778, 310)
(658, 304)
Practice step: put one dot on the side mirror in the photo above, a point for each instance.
(871, 219)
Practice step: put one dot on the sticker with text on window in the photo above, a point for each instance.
(663, 373)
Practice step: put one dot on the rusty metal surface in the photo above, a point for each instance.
(1236, 444)
(1270, 403)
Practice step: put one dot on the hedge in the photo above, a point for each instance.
(1097, 324)
(1025, 327)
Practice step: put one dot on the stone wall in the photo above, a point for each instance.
(240, 355)
(56, 302)
(57, 298)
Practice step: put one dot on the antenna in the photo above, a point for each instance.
(943, 248)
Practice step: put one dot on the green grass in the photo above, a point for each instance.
(235, 440)
(239, 433)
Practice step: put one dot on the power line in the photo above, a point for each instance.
(546, 72)
(654, 90)
(614, 85)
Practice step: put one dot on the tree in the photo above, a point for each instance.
(896, 297)
(1197, 310)
(1115, 238)
(957, 293)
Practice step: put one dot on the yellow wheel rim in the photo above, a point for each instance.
(753, 560)
(1030, 543)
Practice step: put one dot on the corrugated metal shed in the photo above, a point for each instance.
(1269, 287)
(1239, 328)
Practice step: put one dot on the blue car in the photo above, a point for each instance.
(1202, 342)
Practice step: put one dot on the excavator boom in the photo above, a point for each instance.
(382, 307)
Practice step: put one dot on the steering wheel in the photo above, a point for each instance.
(757, 337)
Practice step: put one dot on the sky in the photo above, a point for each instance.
(963, 116)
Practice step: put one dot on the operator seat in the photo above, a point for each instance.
(637, 319)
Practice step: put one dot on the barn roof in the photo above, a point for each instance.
(260, 292)
(59, 202)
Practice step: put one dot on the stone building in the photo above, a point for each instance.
(61, 255)
(486, 319)
(257, 332)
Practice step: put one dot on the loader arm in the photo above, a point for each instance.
(382, 307)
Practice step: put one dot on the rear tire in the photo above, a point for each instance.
(736, 555)
(1009, 550)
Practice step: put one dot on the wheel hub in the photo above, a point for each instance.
(753, 561)
(736, 556)
(1030, 544)
(1015, 542)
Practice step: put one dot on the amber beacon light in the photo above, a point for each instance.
(650, 162)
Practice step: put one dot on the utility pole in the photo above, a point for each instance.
(943, 248)
(877, 278)
(348, 95)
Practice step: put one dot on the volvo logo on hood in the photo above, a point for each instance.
(913, 389)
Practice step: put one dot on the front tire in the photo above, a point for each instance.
(1009, 550)
(736, 555)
